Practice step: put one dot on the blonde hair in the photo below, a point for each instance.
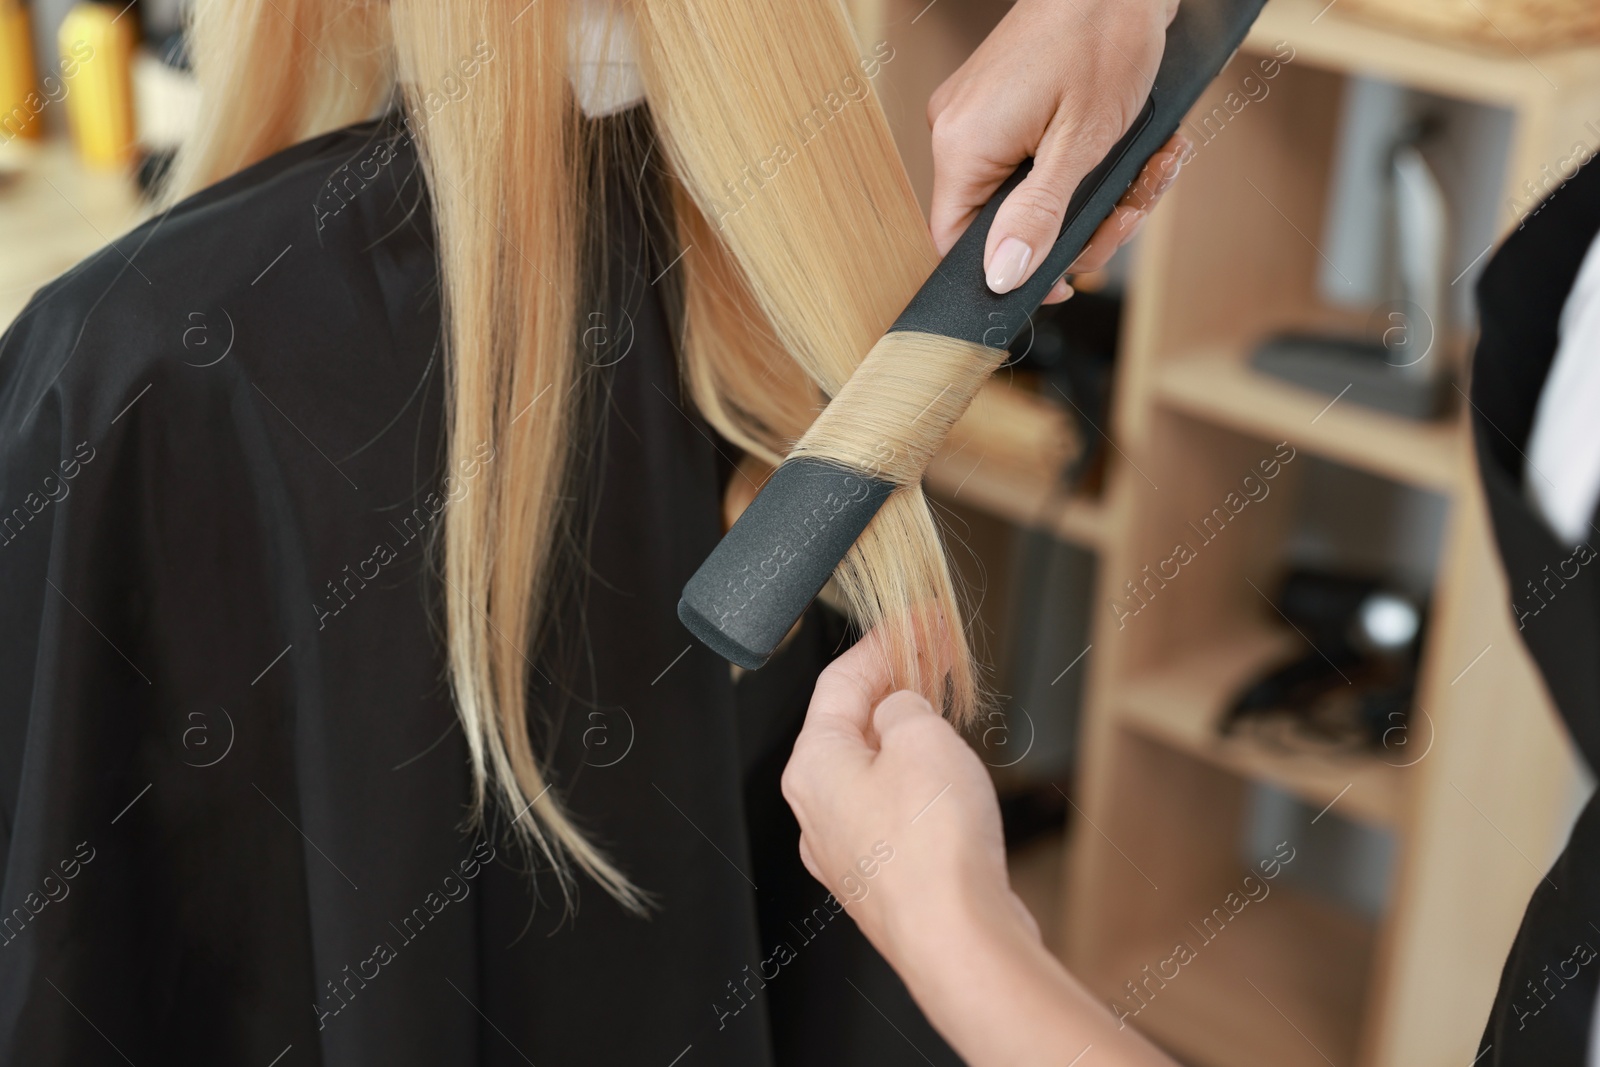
(790, 273)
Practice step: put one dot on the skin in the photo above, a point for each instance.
(1064, 106)
(874, 771)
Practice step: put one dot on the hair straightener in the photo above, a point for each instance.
(788, 542)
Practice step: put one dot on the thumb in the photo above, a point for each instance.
(899, 708)
(1028, 223)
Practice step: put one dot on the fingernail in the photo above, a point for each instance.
(1009, 265)
(1169, 173)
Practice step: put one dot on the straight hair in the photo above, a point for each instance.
(781, 299)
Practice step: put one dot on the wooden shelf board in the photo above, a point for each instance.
(1323, 35)
(1217, 385)
(1030, 498)
(1180, 705)
(1282, 985)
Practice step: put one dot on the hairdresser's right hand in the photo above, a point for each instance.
(897, 814)
(1060, 81)
(899, 819)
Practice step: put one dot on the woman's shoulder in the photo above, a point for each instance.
(237, 270)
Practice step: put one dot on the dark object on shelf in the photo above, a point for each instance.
(1072, 347)
(1355, 683)
(1389, 370)
(1355, 370)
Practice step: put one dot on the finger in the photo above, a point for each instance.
(841, 703)
(962, 183)
(1118, 228)
(899, 708)
(1060, 292)
(1126, 219)
(807, 859)
(1028, 919)
(1029, 221)
(1158, 174)
(938, 99)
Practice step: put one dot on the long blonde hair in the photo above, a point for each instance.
(801, 241)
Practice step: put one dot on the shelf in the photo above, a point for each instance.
(1324, 36)
(1029, 498)
(1280, 986)
(1005, 456)
(1217, 385)
(1180, 705)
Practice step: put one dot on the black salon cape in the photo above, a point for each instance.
(232, 789)
(1520, 298)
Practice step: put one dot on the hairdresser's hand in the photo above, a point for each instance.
(1061, 81)
(899, 819)
(897, 814)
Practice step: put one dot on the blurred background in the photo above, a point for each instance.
(1229, 560)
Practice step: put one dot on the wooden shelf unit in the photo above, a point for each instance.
(1485, 772)
(1035, 499)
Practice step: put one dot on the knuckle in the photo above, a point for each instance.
(1035, 205)
(1106, 127)
(791, 784)
(835, 684)
(949, 134)
(1072, 148)
(1098, 129)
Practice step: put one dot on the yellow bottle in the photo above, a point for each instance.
(20, 99)
(96, 45)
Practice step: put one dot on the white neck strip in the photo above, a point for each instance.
(601, 46)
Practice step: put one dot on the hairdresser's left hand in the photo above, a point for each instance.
(1061, 81)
